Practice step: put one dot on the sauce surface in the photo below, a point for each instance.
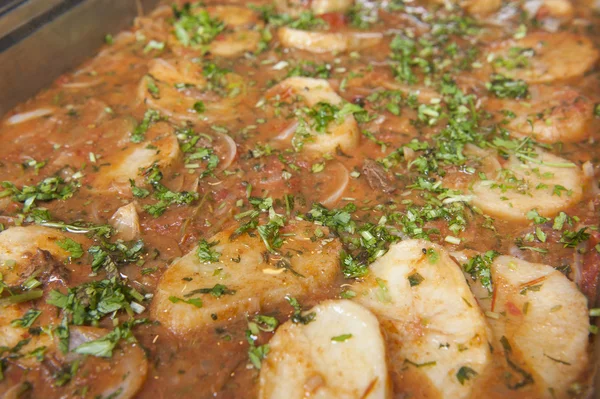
(222, 161)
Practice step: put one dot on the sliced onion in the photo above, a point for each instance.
(229, 152)
(126, 222)
(82, 85)
(288, 132)
(516, 252)
(409, 153)
(551, 24)
(29, 115)
(588, 170)
(342, 179)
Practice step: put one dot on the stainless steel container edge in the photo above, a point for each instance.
(42, 39)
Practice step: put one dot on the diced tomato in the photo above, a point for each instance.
(590, 269)
(335, 20)
(513, 309)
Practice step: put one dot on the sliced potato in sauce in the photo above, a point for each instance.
(344, 134)
(540, 326)
(548, 56)
(327, 42)
(549, 114)
(546, 183)
(251, 279)
(434, 328)
(160, 148)
(341, 354)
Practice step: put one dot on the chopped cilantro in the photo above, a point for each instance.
(341, 338)
(197, 302)
(49, 189)
(298, 317)
(464, 374)
(571, 239)
(205, 252)
(504, 87)
(27, 320)
(217, 291)
(151, 116)
(74, 248)
(479, 268)
(194, 27)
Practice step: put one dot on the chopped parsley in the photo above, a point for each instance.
(572, 239)
(27, 320)
(74, 248)
(205, 252)
(504, 87)
(197, 302)
(194, 27)
(165, 197)
(151, 116)
(49, 189)
(217, 291)
(88, 303)
(479, 268)
(464, 374)
(341, 338)
(298, 316)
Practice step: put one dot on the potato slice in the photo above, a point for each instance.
(18, 247)
(318, 7)
(344, 134)
(555, 56)
(160, 147)
(121, 375)
(179, 90)
(251, 282)
(549, 184)
(542, 319)
(437, 335)
(340, 354)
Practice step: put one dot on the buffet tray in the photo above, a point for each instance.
(42, 39)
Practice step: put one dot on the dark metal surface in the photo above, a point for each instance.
(42, 39)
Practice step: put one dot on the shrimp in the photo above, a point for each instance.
(161, 148)
(542, 57)
(340, 354)
(35, 252)
(551, 13)
(544, 182)
(550, 114)
(540, 328)
(179, 90)
(295, 7)
(327, 42)
(238, 31)
(313, 92)
(245, 275)
(435, 329)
